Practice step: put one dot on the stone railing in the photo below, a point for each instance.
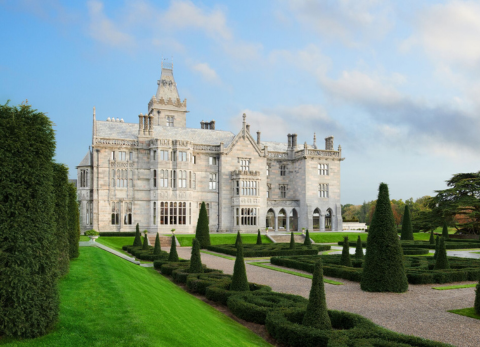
(206, 148)
(116, 142)
(278, 155)
(323, 153)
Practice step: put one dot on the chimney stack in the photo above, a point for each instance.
(248, 128)
(294, 141)
(258, 137)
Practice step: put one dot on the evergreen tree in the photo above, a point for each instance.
(359, 249)
(407, 231)
(137, 242)
(202, 233)
(292, 241)
(308, 241)
(316, 315)
(29, 302)
(432, 238)
(476, 305)
(436, 248)
(259, 238)
(441, 261)
(145, 240)
(73, 222)
(383, 269)
(195, 260)
(239, 278)
(445, 231)
(173, 255)
(60, 188)
(157, 250)
(345, 259)
(238, 239)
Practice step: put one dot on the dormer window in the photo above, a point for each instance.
(170, 120)
(244, 164)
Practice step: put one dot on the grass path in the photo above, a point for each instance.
(106, 301)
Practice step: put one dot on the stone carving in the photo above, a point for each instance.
(323, 153)
(206, 148)
(277, 155)
(131, 143)
(245, 201)
(282, 203)
(180, 143)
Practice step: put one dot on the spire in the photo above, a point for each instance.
(167, 88)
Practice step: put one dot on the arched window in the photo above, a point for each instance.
(270, 220)
(316, 219)
(328, 219)
(282, 219)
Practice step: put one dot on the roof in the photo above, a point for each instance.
(86, 160)
(281, 146)
(167, 88)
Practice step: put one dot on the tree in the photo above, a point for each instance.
(60, 188)
(359, 249)
(432, 238)
(292, 241)
(259, 238)
(173, 255)
(158, 249)
(383, 269)
(29, 302)
(441, 260)
(145, 240)
(73, 222)
(316, 315)
(202, 233)
(195, 260)
(445, 230)
(477, 299)
(407, 232)
(437, 241)
(137, 242)
(308, 240)
(238, 239)
(345, 259)
(239, 278)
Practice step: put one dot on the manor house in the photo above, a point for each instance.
(157, 173)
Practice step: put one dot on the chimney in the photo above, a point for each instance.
(248, 128)
(294, 141)
(140, 123)
(212, 125)
(258, 137)
(329, 143)
(289, 140)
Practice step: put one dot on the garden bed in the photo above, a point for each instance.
(449, 244)
(269, 250)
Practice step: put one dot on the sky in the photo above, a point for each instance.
(395, 82)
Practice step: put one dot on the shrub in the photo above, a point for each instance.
(73, 222)
(268, 250)
(407, 233)
(308, 241)
(198, 283)
(202, 233)
(91, 232)
(145, 240)
(117, 234)
(238, 239)
(436, 248)
(441, 261)
(195, 260)
(173, 256)
(431, 240)
(259, 238)
(476, 305)
(316, 315)
(157, 249)
(445, 231)
(239, 278)
(138, 241)
(345, 260)
(359, 249)
(168, 268)
(60, 188)
(292, 241)
(383, 269)
(221, 291)
(415, 251)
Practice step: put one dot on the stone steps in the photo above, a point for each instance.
(165, 241)
(286, 238)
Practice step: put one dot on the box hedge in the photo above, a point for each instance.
(220, 292)
(198, 283)
(269, 250)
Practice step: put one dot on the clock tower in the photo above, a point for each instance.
(165, 106)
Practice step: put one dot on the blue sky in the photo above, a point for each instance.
(396, 83)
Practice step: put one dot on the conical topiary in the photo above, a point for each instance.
(195, 260)
(383, 269)
(476, 306)
(445, 231)
(292, 241)
(173, 256)
(238, 239)
(407, 232)
(436, 248)
(432, 238)
(308, 241)
(157, 250)
(359, 249)
(202, 233)
(239, 278)
(138, 241)
(259, 238)
(145, 240)
(441, 261)
(316, 315)
(345, 259)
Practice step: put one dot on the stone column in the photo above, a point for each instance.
(276, 221)
(322, 222)
(288, 221)
(334, 222)
(140, 123)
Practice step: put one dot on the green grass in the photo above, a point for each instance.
(106, 301)
(426, 236)
(218, 255)
(476, 252)
(299, 274)
(334, 237)
(84, 238)
(459, 286)
(116, 243)
(467, 312)
(222, 239)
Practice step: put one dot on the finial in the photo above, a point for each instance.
(305, 145)
(244, 116)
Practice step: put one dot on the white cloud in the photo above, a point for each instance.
(206, 72)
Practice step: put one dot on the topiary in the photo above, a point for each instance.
(73, 222)
(436, 247)
(60, 188)
(407, 232)
(239, 278)
(259, 238)
(316, 315)
(158, 249)
(345, 259)
(383, 268)
(238, 239)
(195, 260)
(173, 255)
(292, 241)
(202, 232)
(359, 249)
(441, 261)
(145, 241)
(308, 241)
(432, 238)
(445, 230)
(137, 242)
(476, 305)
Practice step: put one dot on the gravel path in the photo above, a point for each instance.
(420, 312)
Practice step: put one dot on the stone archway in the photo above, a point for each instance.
(328, 219)
(270, 219)
(282, 219)
(316, 219)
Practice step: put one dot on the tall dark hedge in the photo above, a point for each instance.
(259, 238)
(292, 241)
(202, 233)
(73, 222)
(173, 255)
(145, 240)
(407, 231)
(345, 259)
(316, 315)
(383, 269)
(445, 230)
(437, 241)
(432, 238)
(441, 260)
(60, 189)
(239, 278)
(157, 250)
(195, 260)
(29, 302)
(308, 241)
(359, 249)
(476, 305)
(238, 239)
(137, 242)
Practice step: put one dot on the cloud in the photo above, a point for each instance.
(206, 72)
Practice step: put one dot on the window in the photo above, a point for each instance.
(164, 155)
(115, 213)
(212, 184)
(154, 155)
(194, 159)
(84, 178)
(283, 191)
(173, 178)
(268, 168)
(122, 156)
(130, 156)
(182, 156)
(113, 155)
(154, 213)
(164, 178)
(170, 121)
(244, 164)
(182, 213)
(212, 160)
(122, 178)
(154, 178)
(283, 170)
(249, 188)
(113, 178)
(127, 218)
(89, 214)
(182, 179)
(237, 188)
(173, 213)
(323, 169)
(246, 216)
(323, 190)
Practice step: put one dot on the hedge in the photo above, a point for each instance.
(415, 251)
(157, 264)
(168, 268)
(450, 244)
(181, 274)
(116, 233)
(254, 306)
(140, 253)
(220, 292)
(198, 283)
(269, 250)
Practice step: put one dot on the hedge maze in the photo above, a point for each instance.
(269, 250)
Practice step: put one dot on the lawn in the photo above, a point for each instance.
(458, 286)
(222, 239)
(467, 312)
(84, 238)
(116, 242)
(334, 237)
(107, 301)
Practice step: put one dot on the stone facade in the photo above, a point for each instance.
(157, 172)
